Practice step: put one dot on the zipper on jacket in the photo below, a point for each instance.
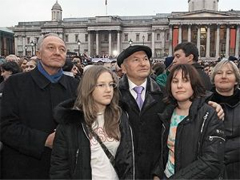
(76, 156)
(132, 152)
(132, 145)
(204, 120)
(215, 137)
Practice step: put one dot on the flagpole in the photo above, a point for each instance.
(106, 6)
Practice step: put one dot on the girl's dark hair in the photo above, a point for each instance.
(190, 73)
(86, 103)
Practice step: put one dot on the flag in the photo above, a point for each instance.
(105, 2)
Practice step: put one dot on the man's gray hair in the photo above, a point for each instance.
(40, 41)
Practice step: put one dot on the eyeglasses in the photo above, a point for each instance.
(104, 86)
(30, 66)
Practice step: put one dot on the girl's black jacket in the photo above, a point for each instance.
(199, 144)
(71, 152)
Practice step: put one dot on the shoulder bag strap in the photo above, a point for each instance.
(105, 149)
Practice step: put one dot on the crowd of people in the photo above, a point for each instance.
(127, 119)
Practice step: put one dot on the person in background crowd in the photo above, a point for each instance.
(67, 68)
(187, 53)
(31, 64)
(77, 60)
(118, 71)
(27, 123)
(22, 64)
(193, 139)
(234, 59)
(12, 57)
(157, 69)
(7, 69)
(77, 154)
(226, 78)
(161, 79)
(76, 72)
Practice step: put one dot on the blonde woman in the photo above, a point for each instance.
(226, 78)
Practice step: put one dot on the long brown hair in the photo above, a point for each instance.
(86, 103)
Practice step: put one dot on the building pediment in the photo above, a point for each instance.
(204, 14)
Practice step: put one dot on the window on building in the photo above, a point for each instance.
(125, 37)
(214, 5)
(105, 37)
(137, 37)
(76, 38)
(204, 2)
(149, 37)
(158, 36)
(167, 37)
(28, 40)
(86, 37)
(66, 38)
(36, 39)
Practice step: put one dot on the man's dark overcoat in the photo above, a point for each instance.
(27, 120)
(146, 125)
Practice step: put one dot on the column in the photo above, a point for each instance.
(153, 44)
(97, 43)
(189, 33)
(163, 42)
(227, 42)
(237, 43)
(199, 39)
(24, 44)
(170, 53)
(208, 42)
(110, 43)
(118, 42)
(180, 34)
(89, 44)
(217, 41)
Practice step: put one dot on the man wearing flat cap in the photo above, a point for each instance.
(142, 98)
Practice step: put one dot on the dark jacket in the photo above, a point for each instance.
(27, 120)
(71, 154)
(145, 124)
(204, 77)
(231, 107)
(199, 143)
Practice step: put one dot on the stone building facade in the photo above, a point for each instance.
(216, 33)
(6, 41)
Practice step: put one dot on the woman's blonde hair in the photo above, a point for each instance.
(86, 103)
(219, 66)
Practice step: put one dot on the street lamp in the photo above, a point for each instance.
(130, 42)
(25, 47)
(32, 44)
(79, 43)
(143, 37)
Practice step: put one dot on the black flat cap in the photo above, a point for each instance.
(132, 49)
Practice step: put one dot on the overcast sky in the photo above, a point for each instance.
(14, 11)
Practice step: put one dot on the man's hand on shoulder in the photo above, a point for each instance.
(218, 108)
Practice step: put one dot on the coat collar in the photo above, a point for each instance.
(151, 87)
(43, 82)
(65, 114)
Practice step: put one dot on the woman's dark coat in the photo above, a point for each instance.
(231, 108)
(27, 120)
(145, 124)
(71, 154)
(199, 144)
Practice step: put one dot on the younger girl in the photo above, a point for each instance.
(77, 153)
(193, 140)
